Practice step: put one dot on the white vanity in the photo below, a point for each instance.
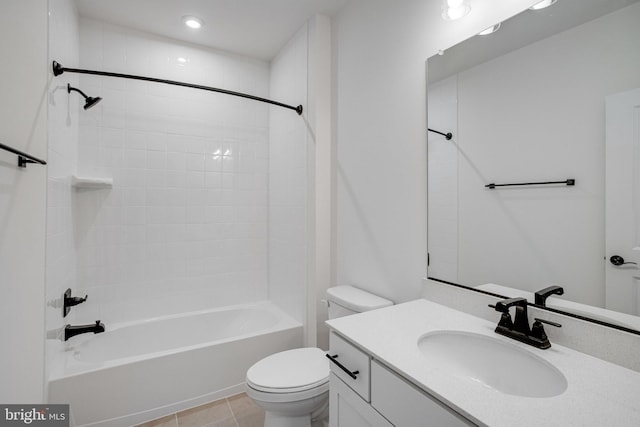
(424, 364)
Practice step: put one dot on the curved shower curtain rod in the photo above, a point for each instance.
(447, 135)
(59, 69)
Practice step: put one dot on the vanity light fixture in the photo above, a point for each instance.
(455, 9)
(192, 22)
(490, 30)
(543, 4)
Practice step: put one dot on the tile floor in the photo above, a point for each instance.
(234, 411)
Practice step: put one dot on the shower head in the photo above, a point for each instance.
(89, 101)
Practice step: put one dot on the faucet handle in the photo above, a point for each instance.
(68, 301)
(537, 330)
(505, 318)
(548, 322)
(505, 304)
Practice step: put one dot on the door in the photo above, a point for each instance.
(348, 409)
(622, 202)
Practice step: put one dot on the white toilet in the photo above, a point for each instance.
(293, 386)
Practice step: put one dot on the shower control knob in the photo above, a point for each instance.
(617, 260)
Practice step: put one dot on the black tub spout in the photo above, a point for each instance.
(70, 331)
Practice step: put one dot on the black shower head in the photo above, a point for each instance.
(89, 101)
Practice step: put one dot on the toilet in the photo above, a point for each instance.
(293, 386)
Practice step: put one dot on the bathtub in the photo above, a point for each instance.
(139, 371)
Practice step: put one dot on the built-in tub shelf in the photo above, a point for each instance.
(91, 182)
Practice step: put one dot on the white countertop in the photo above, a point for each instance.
(599, 393)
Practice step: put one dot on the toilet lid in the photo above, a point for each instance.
(289, 371)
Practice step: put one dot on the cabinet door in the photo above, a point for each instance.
(405, 405)
(347, 409)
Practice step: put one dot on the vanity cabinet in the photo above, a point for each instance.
(348, 409)
(377, 396)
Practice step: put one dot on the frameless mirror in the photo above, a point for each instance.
(547, 109)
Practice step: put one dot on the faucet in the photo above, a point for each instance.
(71, 331)
(543, 294)
(519, 329)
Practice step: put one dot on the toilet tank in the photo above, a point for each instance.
(347, 300)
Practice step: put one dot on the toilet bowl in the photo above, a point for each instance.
(293, 386)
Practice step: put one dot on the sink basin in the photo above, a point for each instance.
(492, 363)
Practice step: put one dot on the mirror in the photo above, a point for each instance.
(529, 104)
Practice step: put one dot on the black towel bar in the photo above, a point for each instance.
(566, 182)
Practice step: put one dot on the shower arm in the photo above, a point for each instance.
(59, 69)
(71, 89)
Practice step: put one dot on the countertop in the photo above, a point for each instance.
(599, 393)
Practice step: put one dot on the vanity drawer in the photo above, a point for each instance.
(350, 364)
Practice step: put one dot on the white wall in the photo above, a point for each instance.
(62, 131)
(23, 60)
(322, 191)
(185, 225)
(300, 180)
(288, 201)
(552, 130)
(443, 180)
(380, 127)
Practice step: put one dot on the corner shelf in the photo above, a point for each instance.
(91, 182)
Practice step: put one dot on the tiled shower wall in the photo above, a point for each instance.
(443, 180)
(62, 133)
(184, 226)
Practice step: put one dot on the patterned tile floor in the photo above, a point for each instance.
(234, 411)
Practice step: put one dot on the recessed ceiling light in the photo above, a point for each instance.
(455, 9)
(192, 22)
(542, 4)
(490, 30)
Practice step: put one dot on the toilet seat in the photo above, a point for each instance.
(303, 371)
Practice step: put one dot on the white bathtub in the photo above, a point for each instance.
(140, 371)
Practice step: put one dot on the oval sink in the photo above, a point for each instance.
(493, 363)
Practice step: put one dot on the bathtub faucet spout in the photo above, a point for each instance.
(70, 331)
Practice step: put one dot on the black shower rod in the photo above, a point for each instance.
(23, 158)
(447, 135)
(59, 69)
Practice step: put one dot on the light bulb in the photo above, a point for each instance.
(542, 4)
(455, 9)
(490, 30)
(192, 22)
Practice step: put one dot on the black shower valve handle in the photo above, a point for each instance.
(69, 301)
(76, 300)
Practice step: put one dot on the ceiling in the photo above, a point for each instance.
(255, 28)
(520, 30)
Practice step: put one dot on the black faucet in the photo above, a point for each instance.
(71, 331)
(519, 329)
(543, 294)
